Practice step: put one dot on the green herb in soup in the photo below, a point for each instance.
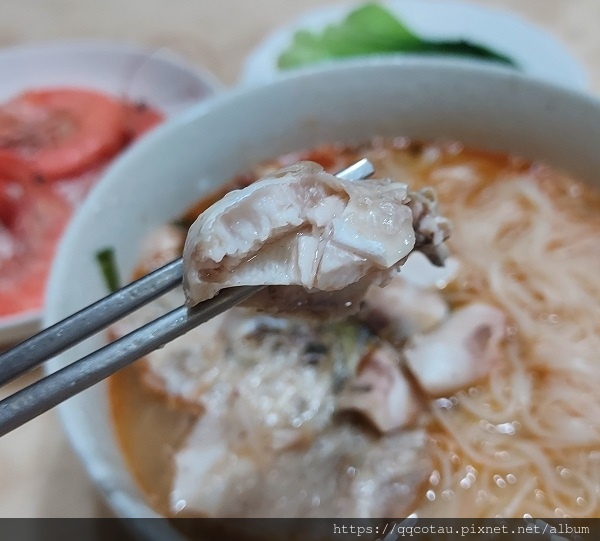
(108, 267)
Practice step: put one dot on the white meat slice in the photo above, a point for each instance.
(459, 352)
(277, 396)
(230, 356)
(421, 272)
(343, 473)
(399, 310)
(301, 226)
(189, 365)
(205, 468)
(380, 391)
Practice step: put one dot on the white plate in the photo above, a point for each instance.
(158, 77)
(537, 52)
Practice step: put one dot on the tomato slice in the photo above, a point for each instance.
(13, 173)
(13, 168)
(140, 118)
(9, 195)
(32, 219)
(64, 131)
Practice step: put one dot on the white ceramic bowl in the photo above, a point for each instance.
(156, 76)
(481, 106)
(537, 52)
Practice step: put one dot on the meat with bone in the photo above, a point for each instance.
(401, 309)
(343, 473)
(459, 352)
(380, 391)
(305, 228)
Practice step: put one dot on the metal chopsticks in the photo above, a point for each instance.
(87, 322)
(47, 392)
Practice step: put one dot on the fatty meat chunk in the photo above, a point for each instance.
(380, 391)
(458, 353)
(401, 309)
(319, 241)
(343, 473)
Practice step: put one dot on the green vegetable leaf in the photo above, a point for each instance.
(371, 29)
(465, 48)
(108, 268)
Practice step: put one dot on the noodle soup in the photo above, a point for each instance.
(520, 438)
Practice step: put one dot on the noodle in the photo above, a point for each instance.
(528, 241)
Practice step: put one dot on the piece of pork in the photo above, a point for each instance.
(305, 228)
(185, 368)
(419, 271)
(401, 309)
(380, 391)
(182, 370)
(342, 473)
(459, 352)
(279, 373)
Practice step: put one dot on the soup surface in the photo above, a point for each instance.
(520, 437)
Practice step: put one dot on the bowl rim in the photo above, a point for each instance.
(195, 114)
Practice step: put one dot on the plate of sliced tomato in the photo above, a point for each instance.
(66, 112)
